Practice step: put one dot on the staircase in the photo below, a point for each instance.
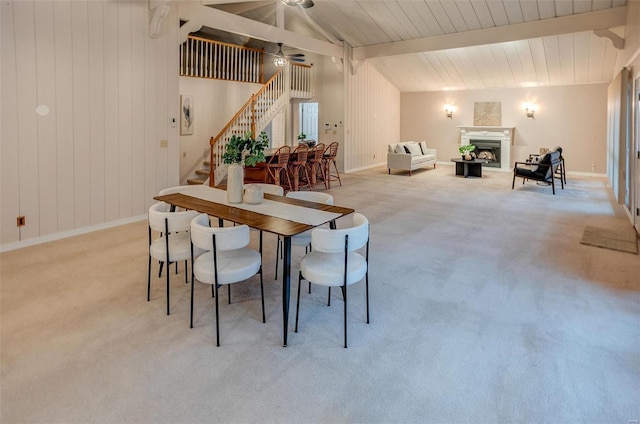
(202, 174)
(254, 116)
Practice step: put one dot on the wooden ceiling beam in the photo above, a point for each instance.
(197, 14)
(601, 19)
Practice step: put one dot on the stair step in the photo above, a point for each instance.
(202, 172)
(196, 181)
(206, 163)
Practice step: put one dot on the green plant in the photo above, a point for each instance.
(302, 136)
(466, 149)
(246, 149)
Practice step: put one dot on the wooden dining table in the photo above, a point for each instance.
(279, 215)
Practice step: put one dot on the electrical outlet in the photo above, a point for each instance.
(21, 221)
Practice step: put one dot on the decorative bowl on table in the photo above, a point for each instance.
(253, 194)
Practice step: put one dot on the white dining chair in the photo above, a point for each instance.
(227, 260)
(334, 262)
(173, 244)
(303, 239)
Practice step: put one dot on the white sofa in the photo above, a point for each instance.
(410, 155)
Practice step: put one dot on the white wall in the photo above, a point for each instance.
(372, 118)
(574, 117)
(111, 90)
(215, 102)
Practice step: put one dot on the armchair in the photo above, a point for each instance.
(544, 171)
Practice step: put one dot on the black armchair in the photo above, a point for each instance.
(545, 170)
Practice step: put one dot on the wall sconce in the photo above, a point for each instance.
(448, 110)
(530, 109)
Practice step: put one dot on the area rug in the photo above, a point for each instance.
(624, 241)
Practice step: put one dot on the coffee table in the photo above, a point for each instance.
(469, 167)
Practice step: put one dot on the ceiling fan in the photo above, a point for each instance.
(281, 59)
(305, 4)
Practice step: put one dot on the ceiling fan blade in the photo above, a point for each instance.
(296, 55)
(307, 4)
(295, 59)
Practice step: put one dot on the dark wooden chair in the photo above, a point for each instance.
(544, 171)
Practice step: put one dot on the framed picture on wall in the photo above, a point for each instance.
(186, 114)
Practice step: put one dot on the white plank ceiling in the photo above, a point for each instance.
(433, 45)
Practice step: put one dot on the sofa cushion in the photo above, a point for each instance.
(422, 158)
(399, 149)
(414, 149)
(423, 147)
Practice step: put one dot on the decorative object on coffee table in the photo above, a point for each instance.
(465, 150)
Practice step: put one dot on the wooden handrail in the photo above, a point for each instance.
(206, 40)
(215, 139)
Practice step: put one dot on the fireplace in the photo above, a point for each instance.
(495, 142)
(489, 150)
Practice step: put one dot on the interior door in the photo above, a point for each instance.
(309, 120)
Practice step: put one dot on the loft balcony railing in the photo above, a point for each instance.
(202, 58)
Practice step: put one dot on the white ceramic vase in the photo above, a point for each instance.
(235, 181)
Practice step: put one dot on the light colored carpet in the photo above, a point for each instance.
(485, 308)
(624, 240)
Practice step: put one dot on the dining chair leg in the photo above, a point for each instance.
(191, 311)
(262, 296)
(277, 255)
(298, 301)
(329, 298)
(212, 293)
(168, 274)
(160, 270)
(366, 281)
(344, 294)
(217, 324)
(229, 293)
(149, 281)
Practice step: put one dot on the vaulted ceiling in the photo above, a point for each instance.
(431, 45)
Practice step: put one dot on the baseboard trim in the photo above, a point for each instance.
(71, 233)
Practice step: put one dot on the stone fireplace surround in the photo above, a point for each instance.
(502, 134)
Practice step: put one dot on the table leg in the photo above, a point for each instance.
(286, 286)
(466, 170)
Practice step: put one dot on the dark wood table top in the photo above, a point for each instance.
(469, 161)
(264, 222)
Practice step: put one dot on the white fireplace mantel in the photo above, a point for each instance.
(503, 134)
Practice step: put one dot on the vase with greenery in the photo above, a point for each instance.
(465, 150)
(302, 137)
(241, 151)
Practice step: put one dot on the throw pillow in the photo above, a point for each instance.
(414, 149)
(423, 147)
(534, 161)
(406, 150)
(399, 149)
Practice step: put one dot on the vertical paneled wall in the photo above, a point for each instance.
(373, 118)
(87, 97)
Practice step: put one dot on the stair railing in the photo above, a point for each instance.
(203, 58)
(301, 81)
(252, 117)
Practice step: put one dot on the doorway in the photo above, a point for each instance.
(308, 114)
